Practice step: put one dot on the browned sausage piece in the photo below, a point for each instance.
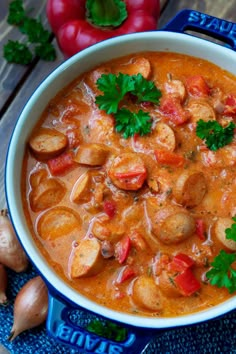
(145, 293)
(128, 171)
(92, 154)
(139, 65)
(58, 222)
(164, 137)
(220, 226)
(200, 109)
(177, 228)
(190, 188)
(47, 143)
(87, 259)
(46, 194)
(81, 191)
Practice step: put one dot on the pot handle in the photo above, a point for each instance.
(64, 330)
(194, 20)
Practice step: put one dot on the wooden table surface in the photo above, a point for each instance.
(18, 82)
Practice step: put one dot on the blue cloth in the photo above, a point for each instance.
(216, 336)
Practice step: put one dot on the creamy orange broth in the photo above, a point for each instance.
(140, 213)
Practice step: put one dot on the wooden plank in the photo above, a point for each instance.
(11, 74)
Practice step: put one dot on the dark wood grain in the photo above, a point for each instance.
(19, 83)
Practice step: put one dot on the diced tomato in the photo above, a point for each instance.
(200, 229)
(230, 106)
(169, 158)
(180, 262)
(129, 174)
(197, 86)
(187, 282)
(126, 273)
(122, 249)
(171, 107)
(61, 163)
(109, 208)
(132, 179)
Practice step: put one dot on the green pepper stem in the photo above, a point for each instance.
(106, 13)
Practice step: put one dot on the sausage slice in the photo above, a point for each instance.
(176, 228)
(145, 294)
(46, 194)
(58, 222)
(128, 171)
(87, 259)
(81, 191)
(47, 143)
(190, 188)
(220, 226)
(92, 154)
(200, 109)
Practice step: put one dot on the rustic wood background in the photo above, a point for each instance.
(18, 82)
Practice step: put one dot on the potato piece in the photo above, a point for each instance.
(58, 222)
(145, 294)
(92, 154)
(190, 188)
(220, 226)
(87, 259)
(177, 228)
(46, 194)
(47, 143)
(200, 109)
(81, 191)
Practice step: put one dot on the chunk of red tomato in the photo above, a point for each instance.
(109, 208)
(197, 86)
(61, 163)
(169, 158)
(230, 106)
(125, 273)
(200, 229)
(172, 109)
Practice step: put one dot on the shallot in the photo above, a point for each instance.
(3, 285)
(12, 254)
(30, 307)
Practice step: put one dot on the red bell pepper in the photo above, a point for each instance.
(200, 229)
(126, 273)
(197, 86)
(61, 164)
(79, 24)
(122, 249)
(187, 282)
(169, 158)
(109, 208)
(230, 106)
(180, 262)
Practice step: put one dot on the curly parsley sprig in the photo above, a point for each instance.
(214, 135)
(21, 53)
(222, 274)
(115, 88)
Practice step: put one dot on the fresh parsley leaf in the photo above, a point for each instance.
(45, 51)
(222, 274)
(131, 123)
(231, 232)
(33, 28)
(108, 330)
(16, 13)
(16, 52)
(214, 134)
(145, 90)
(114, 89)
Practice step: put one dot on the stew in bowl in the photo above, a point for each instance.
(128, 184)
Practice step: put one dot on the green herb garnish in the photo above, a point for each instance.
(222, 274)
(115, 89)
(214, 134)
(37, 36)
(108, 330)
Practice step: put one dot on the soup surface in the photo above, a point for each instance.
(126, 193)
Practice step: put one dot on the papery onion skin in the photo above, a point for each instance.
(30, 307)
(3, 285)
(12, 254)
